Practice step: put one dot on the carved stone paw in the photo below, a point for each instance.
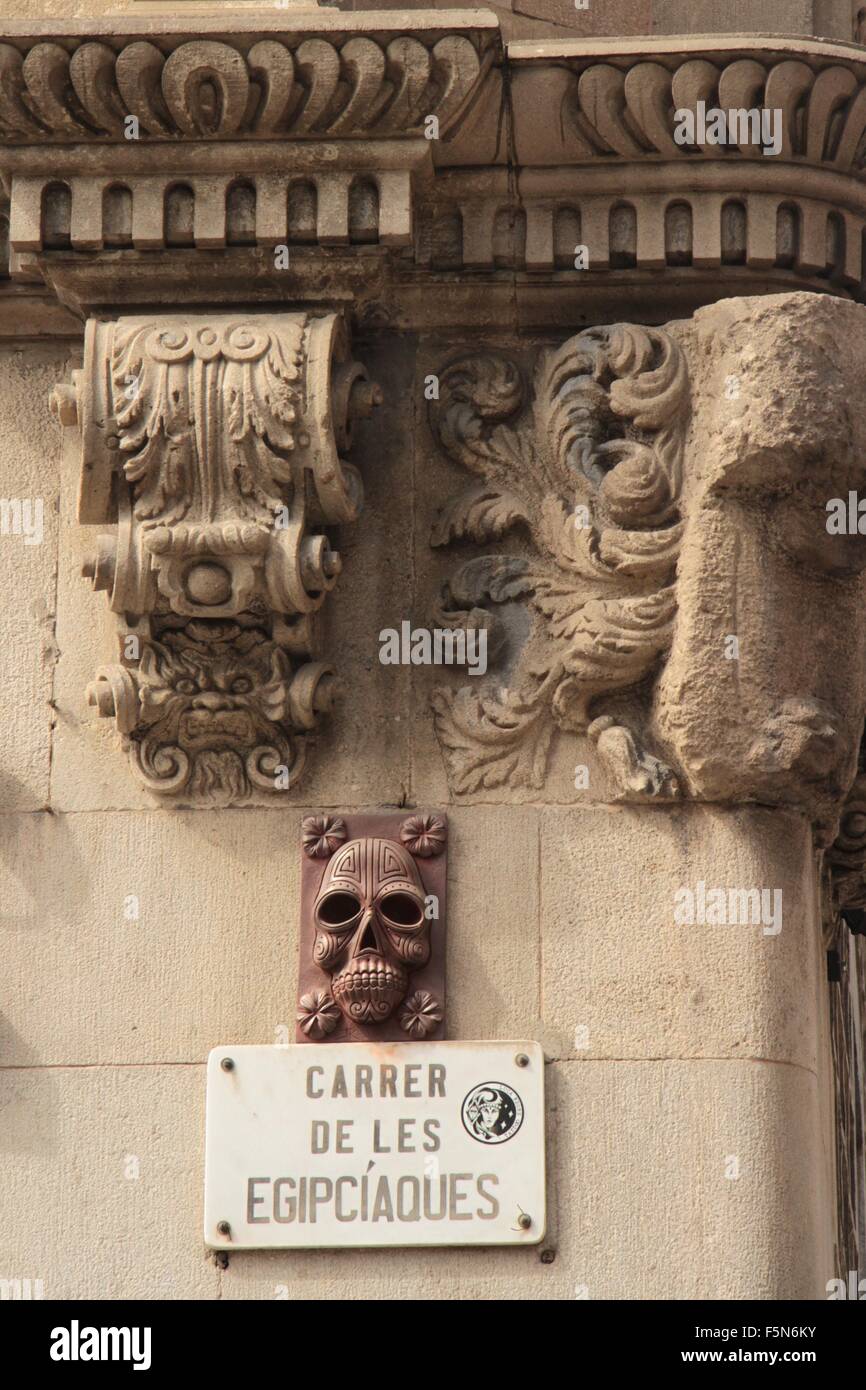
(640, 775)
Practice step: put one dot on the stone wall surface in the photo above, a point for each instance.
(537, 18)
(28, 576)
(833, 19)
(139, 937)
(700, 1051)
(618, 753)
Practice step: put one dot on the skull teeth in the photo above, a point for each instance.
(367, 979)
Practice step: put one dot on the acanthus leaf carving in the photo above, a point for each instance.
(594, 472)
(213, 442)
(481, 513)
(494, 742)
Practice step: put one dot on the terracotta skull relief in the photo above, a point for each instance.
(370, 927)
(371, 923)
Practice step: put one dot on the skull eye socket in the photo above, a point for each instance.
(338, 909)
(401, 910)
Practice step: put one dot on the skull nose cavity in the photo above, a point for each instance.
(368, 940)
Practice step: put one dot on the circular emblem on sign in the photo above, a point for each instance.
(492, 1112)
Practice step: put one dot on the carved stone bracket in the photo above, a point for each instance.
(594, 472)
(661, 499)
(214, 443)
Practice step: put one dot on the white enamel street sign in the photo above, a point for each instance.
(360, 1144)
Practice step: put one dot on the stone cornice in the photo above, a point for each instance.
(539, 147)
(248, 24)
(618, 99)
(260, 78)
(673, 45)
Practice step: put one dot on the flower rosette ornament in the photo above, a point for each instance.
(318, 1015)
(421, 1014)
(424, 836)
(321, 836)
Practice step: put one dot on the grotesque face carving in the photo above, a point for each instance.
(217, 694)
(371, 931)
(211, 698)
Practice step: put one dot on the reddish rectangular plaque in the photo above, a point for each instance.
(372, 964)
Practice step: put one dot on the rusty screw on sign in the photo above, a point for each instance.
(224, 1228)
(227, 1064)
(524, 1221)
(522, 1060)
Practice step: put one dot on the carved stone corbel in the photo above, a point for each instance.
(695, 614)
(594, 472)
(213, 442)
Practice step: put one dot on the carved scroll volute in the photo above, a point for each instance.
(213, 445)
(225, 431)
